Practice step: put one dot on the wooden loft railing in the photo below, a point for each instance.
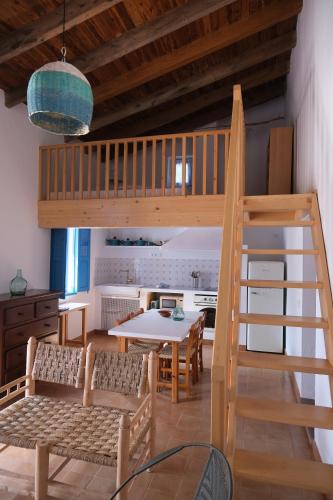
(167, 165)
(226, 322)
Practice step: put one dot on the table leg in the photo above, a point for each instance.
(175, 372)
(123, 344)
(84, 327)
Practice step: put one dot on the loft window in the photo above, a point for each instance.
(70, 260)
(178, 181)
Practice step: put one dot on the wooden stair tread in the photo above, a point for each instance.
(284, 363)
(277, 222)
(279, 251)
(279, 203)
(285, 412)
(280, 470)
(281, 284)
(275, 319)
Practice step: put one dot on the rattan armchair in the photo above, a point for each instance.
(93, 433)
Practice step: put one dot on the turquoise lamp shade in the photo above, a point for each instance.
(60, 99)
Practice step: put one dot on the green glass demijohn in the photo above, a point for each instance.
(18, 285)
(178, 314)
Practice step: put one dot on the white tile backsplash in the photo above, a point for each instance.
(174, 272)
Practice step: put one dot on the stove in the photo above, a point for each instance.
(201, 299)
(207, 303)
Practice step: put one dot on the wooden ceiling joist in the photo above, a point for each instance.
(41, 30)
(268, 16)
(243, 61)
(251, 97)
(179, 111)
(135, 38)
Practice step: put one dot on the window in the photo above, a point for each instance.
(70, 260)
(179, 172)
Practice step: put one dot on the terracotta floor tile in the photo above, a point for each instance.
(102, 485)
(167, 483)
(152, 494)
(74, 478)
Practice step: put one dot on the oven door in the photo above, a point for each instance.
(209, 332)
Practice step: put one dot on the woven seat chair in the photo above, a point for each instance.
(188, 355)
(96, 434)
(126, 374)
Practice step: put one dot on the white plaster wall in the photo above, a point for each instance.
(310, 107)
(22, 243)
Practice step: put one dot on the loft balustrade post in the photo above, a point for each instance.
(222, 350)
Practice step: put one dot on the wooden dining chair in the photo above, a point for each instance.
(202, 321)
(188, 357)
(136, 346)
(201, 327)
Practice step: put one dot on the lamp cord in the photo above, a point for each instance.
(63, 48)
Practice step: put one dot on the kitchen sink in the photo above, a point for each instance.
(120, 289)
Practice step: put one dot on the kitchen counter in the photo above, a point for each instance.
(147, 288)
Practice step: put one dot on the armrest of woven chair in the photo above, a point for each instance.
(14, 388)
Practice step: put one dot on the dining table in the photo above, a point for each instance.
(150, 325)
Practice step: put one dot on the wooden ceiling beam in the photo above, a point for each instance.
(39, 31)
(252, 97)
(181, 110)
(268, 16)
(136, 38)
(232, 65)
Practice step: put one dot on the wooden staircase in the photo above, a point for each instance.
(266, 211)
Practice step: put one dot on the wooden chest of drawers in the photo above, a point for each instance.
(35, 314)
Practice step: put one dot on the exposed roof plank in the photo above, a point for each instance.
(140, 36)
(41, 30)
(179, 111)
(136, 38)
(251, 57)
(252, 97)
(233, 33)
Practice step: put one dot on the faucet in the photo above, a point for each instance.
(128, 279)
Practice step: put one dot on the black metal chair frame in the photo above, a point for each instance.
(205, 490)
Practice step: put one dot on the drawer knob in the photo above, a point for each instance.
(20, 313)
(47, 307)
(47, 325)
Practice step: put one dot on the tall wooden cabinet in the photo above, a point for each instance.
(35, 314)
(280, 160)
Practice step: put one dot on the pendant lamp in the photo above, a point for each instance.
(59, 97)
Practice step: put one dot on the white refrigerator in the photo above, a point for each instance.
(265, 338)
